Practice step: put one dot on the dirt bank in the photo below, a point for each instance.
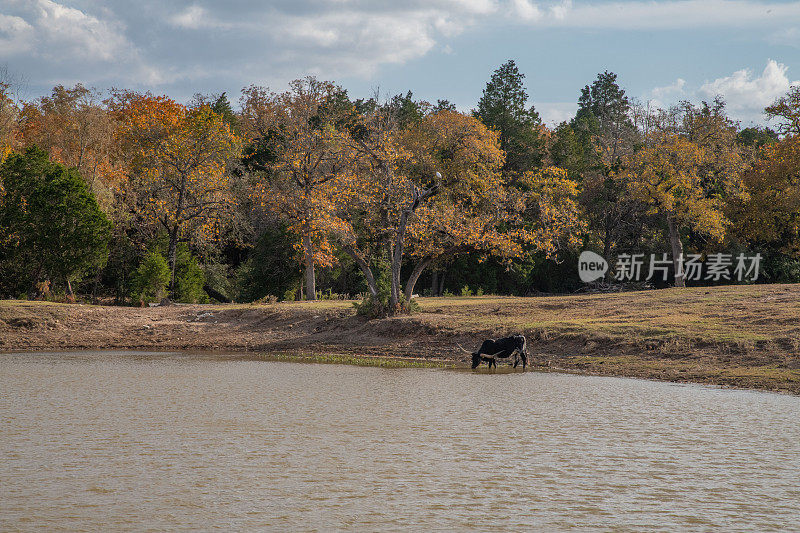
(746, 336)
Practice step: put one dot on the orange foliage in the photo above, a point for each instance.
(301, 183)
(77, 130)
(177, 161)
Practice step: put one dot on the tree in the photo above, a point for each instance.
(757, 137)
(300, 151)
(76, 129)
(787, 110)
(434, 190)
(375, 198)
(503, 109)
(50, 224)
(604, 135)
(177, 163)
(686, 178)
(565, 151)
(273, 267)
(443, 105)
(770, 215)
(8, 119)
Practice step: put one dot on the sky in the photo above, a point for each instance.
(663, 51)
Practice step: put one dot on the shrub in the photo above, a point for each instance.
(189, 278)
(152, 278)
(377, 306)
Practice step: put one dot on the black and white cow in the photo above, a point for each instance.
(493, 349)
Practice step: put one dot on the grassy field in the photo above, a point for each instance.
(744, 336)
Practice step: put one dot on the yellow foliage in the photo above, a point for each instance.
(772, 211)
(685, 181)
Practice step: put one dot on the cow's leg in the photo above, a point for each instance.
(524, 360)
(516, 358)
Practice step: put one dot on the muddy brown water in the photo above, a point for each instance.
(121, 441)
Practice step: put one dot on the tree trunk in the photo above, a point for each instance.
(69, 290)
(607, 247)
(412, 280)
(677, 252)
(311, 281)
(173, 236)
(173, 254)
(362, 264)
(95, 285)
(397, 261)
(434, 283)
(396, 256)
(397, 249)
(440, 292)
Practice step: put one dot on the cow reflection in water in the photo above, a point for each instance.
(491, 350)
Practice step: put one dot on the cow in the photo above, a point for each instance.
(491, 350)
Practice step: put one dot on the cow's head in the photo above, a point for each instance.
(523, 347)
(476, 359)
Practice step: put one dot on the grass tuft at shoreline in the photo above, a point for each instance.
(344, 359)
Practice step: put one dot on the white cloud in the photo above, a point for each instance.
(193, 17)
(64, 30)
(785, 37)
(672, 14)
(16, 35)
(746, 94)
(477, 7)
(63, 39)
(554, 113)
(662, 97)
(526, 10)
(357, 43)
(561, 10)
(672, 89)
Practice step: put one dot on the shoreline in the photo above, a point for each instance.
(736, 336)
(398, 362)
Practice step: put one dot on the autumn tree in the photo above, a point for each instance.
(374, 198)
(686, 172)
(787, 110)
(770, 215)
(177, 164)
(503, 108)
(75, 127)
(296, 151)
(431, 190)
(8, 120)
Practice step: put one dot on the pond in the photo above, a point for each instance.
(123, 441)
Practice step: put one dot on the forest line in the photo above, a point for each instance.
(307, 192)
